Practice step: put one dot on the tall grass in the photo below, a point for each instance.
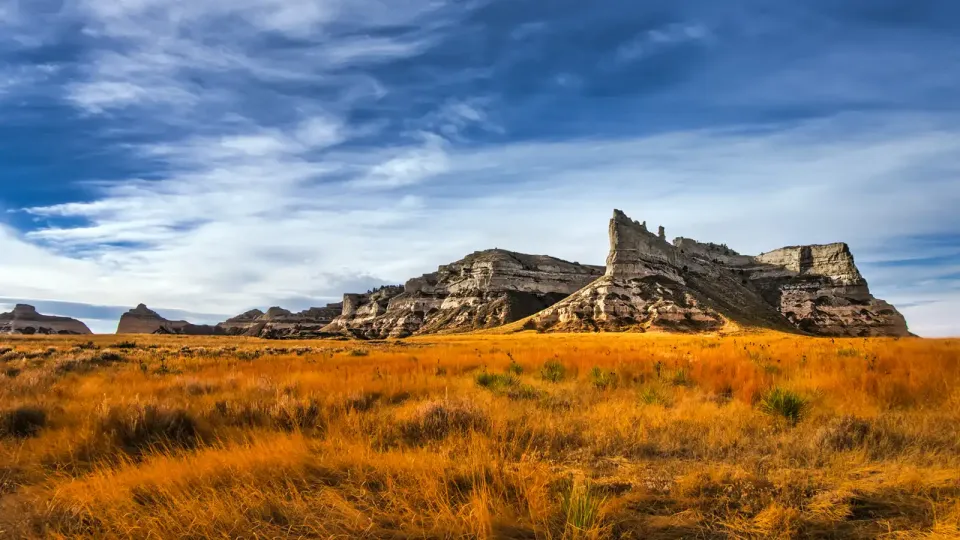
(784, 404)
(478, 436)
(581, 507)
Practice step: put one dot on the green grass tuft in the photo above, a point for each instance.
(785, 404)
(602, 380)
(495, 381)
(553, 371)
(581, 509)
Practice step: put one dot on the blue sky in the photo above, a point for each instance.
(211, 156)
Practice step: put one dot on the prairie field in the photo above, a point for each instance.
(480, 436)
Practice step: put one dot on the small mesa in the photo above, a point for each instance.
(25, 320)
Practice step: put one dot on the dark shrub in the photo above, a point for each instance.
(522, 392)
(495, 381)
(137, 428)
(83, 364)
(437, 419)
(285, 413)
(22, 422)
(844, 433)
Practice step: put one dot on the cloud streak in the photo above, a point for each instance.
(214, 230)
(227, 155)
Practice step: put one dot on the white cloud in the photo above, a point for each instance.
(651, 41)
(95, 97)
(161, 52)
(15, 79)
(932, 314)
(411, 166)
(263, 218)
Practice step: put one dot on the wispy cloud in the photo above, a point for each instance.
(163, 52)
(261, 221)
(220, 155)
(657, 39)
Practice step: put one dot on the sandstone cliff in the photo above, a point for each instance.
(651, 284)
(280, 323)
(818, 288)
(485, 289)
(24, 319)
(142, 320)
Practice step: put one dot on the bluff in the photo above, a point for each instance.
(24, 319)
(142, 320)
(818, 288)
(688, 286)
(483, 290)
(281, 323)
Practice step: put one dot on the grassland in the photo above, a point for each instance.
(518, 436)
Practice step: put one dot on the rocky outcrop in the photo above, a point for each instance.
(485, 289)
(820, 290)
(689, 286)
(650, 284)
(142, 320)
(280, 323)
(25, 320)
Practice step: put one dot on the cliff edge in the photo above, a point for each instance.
(483, 290)
(688, 286)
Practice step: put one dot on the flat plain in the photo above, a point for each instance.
(480, 436)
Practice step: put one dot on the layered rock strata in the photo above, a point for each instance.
(143, 320)
(483, 290)
(689, 286)
(818, 288)
(650, 285)
(281, 323)
(25, 320)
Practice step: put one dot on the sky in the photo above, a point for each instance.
(213, 156)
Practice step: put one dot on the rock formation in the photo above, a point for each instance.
(24, 319)
(651, 284)
(818, 288)
(142, 320)
(484, 290)
(280, 323)
(648, 284)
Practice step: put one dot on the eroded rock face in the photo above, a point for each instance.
(650, 284)
(24, 319)
(485, 289)
(691, 286)
(143, 320)
(820, 290)
(281, 323)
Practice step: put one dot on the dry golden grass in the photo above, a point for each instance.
(508, 436)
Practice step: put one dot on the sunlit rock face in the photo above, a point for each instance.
(143, 320)
(24, 319)
(689, 286)
(281, 323)
(820, 290)
(483, 290)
